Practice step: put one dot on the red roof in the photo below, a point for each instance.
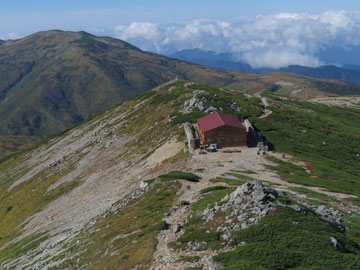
(216, 120)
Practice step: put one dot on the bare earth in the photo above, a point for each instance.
(353, 102)
(214, 165)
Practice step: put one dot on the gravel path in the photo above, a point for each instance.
(214, 165)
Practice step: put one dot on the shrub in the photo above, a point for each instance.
(189, 176)
(209, 189)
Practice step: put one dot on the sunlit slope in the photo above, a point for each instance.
(76, 201)
(53, 80)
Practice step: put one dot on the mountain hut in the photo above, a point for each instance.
(223, 129)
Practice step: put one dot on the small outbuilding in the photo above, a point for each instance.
(223, 129)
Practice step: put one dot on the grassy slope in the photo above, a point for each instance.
(20, 204)
(58, 79)
(326, 137)
(125, 239)
(285, 239)
(30, 197)
(12, 144)
(290, 240)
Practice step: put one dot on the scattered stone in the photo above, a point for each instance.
(337, 245)
(298, 208)
(177, 228)
(330, 215)
(143, 185)
(248, 203)
(199, 100)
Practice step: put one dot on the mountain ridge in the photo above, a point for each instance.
(122, 190)
(226, 61)
(53, 80)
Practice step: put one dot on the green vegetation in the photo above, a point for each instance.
(189, 176)
(325, 137)
(229, 181)
(209, 189)
(166, 97)
(145, 95)
(289, 239)
(220, 99)
(314, 194)
(195, 230)
(11, 146)
(134, 242)
(241, 176)
(210, 198)
(115, 243)
(178, 117)
(28, 198)
(184, 203)
(20, 248)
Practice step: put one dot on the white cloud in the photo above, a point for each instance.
(263, 41)
(145, 30)
(11, 35)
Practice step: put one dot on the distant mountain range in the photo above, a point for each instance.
(53, 80)
(226, 61)
(217, 60)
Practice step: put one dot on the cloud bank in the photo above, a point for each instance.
(262, 41)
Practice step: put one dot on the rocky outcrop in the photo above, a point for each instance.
(203, 100)
(249, 203)
(245, 207)
(197, 101)
(329, 215)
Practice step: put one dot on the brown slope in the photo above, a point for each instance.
(52, 80)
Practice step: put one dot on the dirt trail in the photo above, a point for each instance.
(215, 165)
(266, 111)
(167, 258)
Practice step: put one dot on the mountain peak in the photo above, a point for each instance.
(52, 80)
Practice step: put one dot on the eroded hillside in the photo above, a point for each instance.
(119, 191)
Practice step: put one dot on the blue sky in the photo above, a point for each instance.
(261, 32)
(213, 7)
(22, 17)
(80, 13)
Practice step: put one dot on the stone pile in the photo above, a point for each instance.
(199, 100)
(329, 215)
(246, 206)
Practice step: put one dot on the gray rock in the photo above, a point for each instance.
(337, 245)
(244, 226)
(252, 198)
(176, 228)
(143, 185)
(228, 221)
(226, 236)
(296, 208)
(211, 109)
